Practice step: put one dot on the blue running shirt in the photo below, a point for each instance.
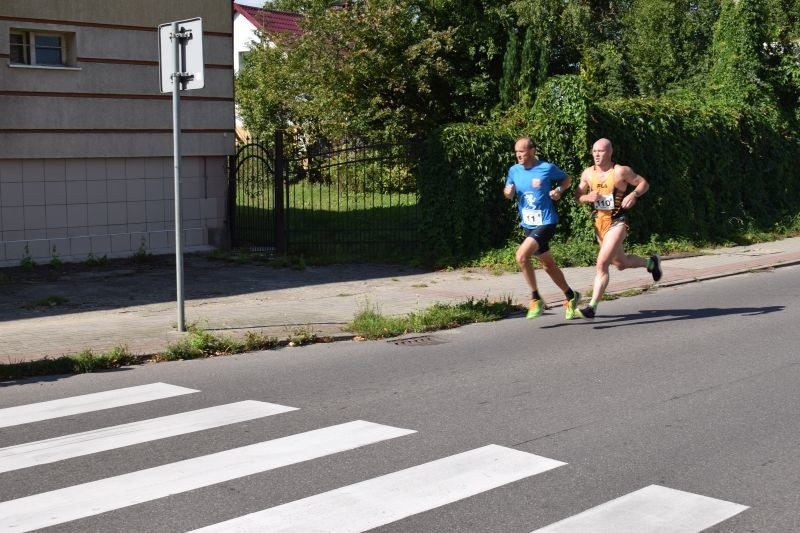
(533, 186)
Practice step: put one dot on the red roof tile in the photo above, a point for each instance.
(270, 20)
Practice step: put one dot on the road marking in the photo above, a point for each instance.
(35, 412)
(103, 439)
(89, 499)
(388, 498)
(653, 509)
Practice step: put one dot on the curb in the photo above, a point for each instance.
(727, 274)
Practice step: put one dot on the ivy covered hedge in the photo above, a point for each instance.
(461, 191)
(713, 172)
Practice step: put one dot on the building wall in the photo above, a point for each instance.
(86, 150)
(244, 34)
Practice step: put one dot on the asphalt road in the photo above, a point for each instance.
(688, 396)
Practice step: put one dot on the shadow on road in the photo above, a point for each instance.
(670, 315)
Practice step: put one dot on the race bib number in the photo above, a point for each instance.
(532, 217)
(604, 202)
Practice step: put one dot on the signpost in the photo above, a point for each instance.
(180, 54)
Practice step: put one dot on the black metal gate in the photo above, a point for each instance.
(255, 199)
(348, 200)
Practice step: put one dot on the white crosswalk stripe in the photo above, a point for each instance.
(87, 403)
(653, 509)
(388, 498)
(79, 501)
(104, 439)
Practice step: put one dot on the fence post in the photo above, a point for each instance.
(232, 164)
(280, 213)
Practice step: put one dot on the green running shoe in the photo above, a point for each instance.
(535, 309)
(570, 306)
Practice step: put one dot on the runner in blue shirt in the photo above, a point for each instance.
(536, 184)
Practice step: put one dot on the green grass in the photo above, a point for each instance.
(370, 324)
(200, 343)
(86, 361)
(197, 344)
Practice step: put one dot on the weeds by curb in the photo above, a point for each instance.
(370, 324)
(200, 343)
(197, 344)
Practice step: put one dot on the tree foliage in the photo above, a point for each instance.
(738, 70)
(782, 54)
(377, 67)
(667, 42)
(404, 67)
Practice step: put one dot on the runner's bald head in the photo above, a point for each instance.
(603, 144)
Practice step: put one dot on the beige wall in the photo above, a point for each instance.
(113, 206)
(86, 151)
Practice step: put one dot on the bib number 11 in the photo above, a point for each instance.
(532, 217)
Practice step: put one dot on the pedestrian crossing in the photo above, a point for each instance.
(360, 506)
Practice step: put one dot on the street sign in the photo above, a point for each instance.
(190, 70)
(180, 58)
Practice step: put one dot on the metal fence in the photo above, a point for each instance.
(348, 199)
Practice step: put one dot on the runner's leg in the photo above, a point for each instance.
(523, 257)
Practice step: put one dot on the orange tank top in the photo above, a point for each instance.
(609, 201)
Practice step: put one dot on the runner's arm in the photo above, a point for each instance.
(582, 190)
(559, 191)
(640, 186)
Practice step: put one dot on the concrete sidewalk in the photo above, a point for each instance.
(123, 307)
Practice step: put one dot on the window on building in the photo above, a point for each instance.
(43, 48)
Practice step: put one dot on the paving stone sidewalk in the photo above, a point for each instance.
(133, 305)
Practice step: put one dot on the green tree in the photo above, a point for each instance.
(379, 67)
(402, 67)
(509, 82)
(263, 81)
(545, 39)
(783, 54)
(667, 42)
(738, 54)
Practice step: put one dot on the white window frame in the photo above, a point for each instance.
(66, 42)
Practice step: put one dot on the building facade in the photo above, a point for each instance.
(250, 23)
(86, 136)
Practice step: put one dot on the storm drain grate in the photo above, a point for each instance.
(425, 340)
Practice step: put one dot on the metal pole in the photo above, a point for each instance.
(176, 143)
(280, 206)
